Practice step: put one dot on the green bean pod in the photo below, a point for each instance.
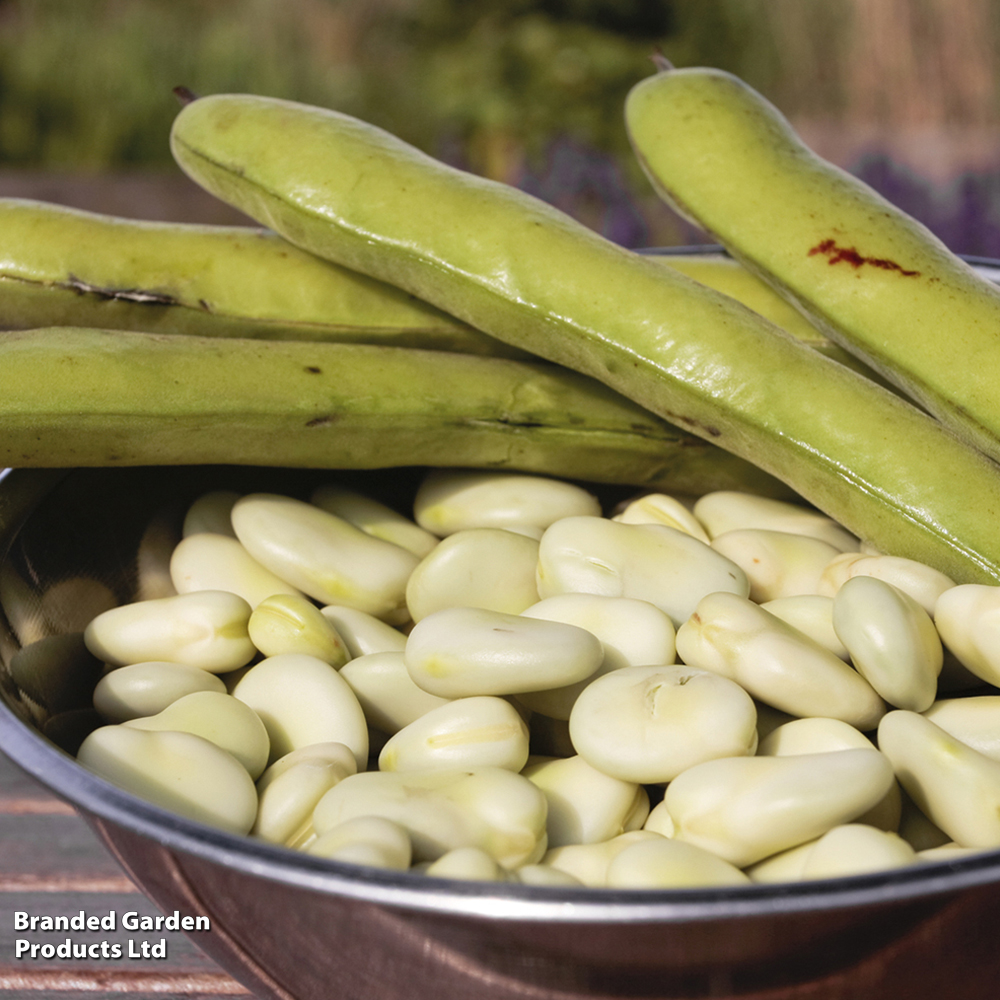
(730, 277)
(529, 275)
(65, 267)
(881, 284)
(81, 397)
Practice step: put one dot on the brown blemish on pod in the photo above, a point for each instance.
(850, 255)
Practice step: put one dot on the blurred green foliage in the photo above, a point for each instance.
(86, 84)
(525, 91)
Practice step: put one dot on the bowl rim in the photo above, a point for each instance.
(98, 802)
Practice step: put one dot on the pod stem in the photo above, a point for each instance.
(660, 61)
(184, 95)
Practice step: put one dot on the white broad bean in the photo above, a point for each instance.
(924, 584)
(177, 771)
(777, 563)
(496, 810)
(727, 510)
(586, 806)
(849, 849)
(302, 700)
(916, 829)
(818, 735)
(219, 718)
(589, 863)
(472, 732)
(777, 664)
(747, 808)
(454, 500)
(206, 629)
(204, 561)
(853, 849)
(648, 724)
(544, 875)
(477, 567)
(366, 840)
(324, 556)
(670, 864)
(143, 689)
(956, 787)
(659, 820)
(289, 623)
(658, 508)
(290, 788)
(462, 651)
(649, 562)
(813, 615)
(974, 720)
(947, 853)
(363, 633)
(633, 633)
(211, 513)
(892, 641)
(968, 620)
(374, 518)
(471, 863)
(386, 692)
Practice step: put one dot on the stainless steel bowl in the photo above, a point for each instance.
(290, 925)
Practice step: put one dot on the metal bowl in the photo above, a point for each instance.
(290, 925)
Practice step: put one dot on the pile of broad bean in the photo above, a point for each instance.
(512, 686)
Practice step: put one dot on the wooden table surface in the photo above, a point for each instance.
(52, 864)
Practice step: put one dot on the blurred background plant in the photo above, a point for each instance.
(903, 92)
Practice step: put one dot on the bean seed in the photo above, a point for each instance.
(211, 513)
(586, 806)
(455, 500)
(648, 724)
(491, 808)
(747, 808)
(366, 840)
(289, 623)
(204, 561)
(726, 510)
(476, 567)
(386, 692)
(633, 633)
(774, 662)
(968, 621)
(649, 562)
(924, 584)
(465, 733)
(143, 689)
(183, 773)
(219, 718)
(670, 864)
(206, 629)
(292, 786)
(658, 508)
(957, 787)
(363, 633)
(324, 556)
(461, 652)
(777, 563)
(302, 700)
(891, 639)
(374, 518)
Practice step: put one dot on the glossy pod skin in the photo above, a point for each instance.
(356, 195)
(880, 283)
(65, 267)
(118, 398)
(730, 277)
